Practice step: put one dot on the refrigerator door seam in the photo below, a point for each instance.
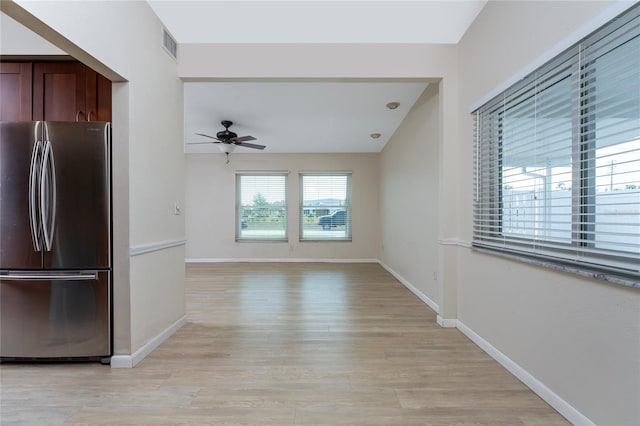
(34, 181)
(48, 195)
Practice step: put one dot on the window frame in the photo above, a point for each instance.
(582, 255)
(348, 207)
(239, 206)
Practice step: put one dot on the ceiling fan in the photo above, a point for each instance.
(228, 140)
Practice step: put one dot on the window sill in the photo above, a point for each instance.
(257, 240)
(327, 240)
(558, 266)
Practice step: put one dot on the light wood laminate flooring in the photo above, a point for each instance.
(286, 344)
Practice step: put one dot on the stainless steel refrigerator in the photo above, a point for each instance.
(55, 240)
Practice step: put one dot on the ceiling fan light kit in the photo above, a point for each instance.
(228, 141)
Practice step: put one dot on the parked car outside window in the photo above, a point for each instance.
(332, 220)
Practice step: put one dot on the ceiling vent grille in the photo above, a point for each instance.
(169, 44)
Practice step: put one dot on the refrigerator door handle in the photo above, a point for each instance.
(65, 276)
(48, 195)
(34, 180)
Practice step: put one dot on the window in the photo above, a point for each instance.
(325, 207)
(557, 161)
(261, 206)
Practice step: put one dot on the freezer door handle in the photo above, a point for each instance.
(34, 180)
(66, 276)
(48, 195)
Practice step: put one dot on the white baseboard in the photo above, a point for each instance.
(130, 361)
(433, 305)
(121, 361)
(559, 404)
(277, 260)
(447, 322)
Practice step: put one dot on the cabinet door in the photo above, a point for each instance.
(103, 98)
(59, 91)
(15, 86)
(98, 98)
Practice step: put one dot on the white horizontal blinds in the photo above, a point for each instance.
(557, 156)
(487, 220)
(524, 155)
(325, 208)
(610, 117)
(535, 169)
(261, 205)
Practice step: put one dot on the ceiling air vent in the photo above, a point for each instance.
(169, 44)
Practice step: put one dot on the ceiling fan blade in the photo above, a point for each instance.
(243, 138)
(207, 136)
(201, 143)
(250, 145)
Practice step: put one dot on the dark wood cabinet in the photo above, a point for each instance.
(58, 91)
(15, 91)
(67, 91)
(103, 98)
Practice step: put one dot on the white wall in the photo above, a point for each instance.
(202, 61)
(210, 207)
(435, 63)
(579, 337)
(16, 39)
(409, 180)
(122, 40)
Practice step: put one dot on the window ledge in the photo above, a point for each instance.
(258, 240)
(325, 240)
(557, 266)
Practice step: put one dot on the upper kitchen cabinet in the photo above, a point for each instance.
(59, 91)
(103, 98)
(70, 91)
(15, 86)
